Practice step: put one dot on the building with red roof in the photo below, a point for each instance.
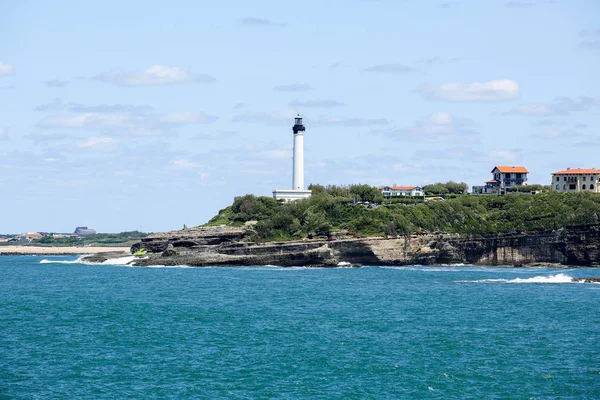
(576, 180)
(395, 191)
(504, 177)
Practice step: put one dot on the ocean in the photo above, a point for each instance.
(71, 330)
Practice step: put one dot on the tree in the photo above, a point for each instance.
(449, 187)
(366, 193)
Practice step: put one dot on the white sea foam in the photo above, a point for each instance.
(119, 261)
(154, 266)
(77, 261)
(558, 278)
(80, 260)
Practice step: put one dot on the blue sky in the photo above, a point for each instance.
(151, 114)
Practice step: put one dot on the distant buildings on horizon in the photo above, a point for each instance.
(84, 230)
(27, 237)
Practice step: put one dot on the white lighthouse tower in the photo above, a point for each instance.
(297, 192)
(298, 128)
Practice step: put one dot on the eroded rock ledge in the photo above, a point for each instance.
(224, 246)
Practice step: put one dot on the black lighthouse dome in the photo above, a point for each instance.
(298, 127)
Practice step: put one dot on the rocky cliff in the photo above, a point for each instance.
(224, 245)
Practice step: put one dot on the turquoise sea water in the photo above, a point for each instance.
(114, 332)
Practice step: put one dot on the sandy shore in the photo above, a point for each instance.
(20, 250)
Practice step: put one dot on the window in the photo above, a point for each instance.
(565, 178)
(565, 186)
(591, 186)
(584, 178)
(557, 187)
(557, 178)
(583, 186)
(572, 186)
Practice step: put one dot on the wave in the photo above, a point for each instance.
(558, 278)
(119, 261)
(77, 261)
(114, 261)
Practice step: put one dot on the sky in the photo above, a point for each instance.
(149, 114)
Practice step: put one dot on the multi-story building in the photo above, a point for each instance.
(395, 191)
(503, 178)
(84, 230)
(576, 180)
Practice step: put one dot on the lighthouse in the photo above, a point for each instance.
(298, 169)
(297, 192)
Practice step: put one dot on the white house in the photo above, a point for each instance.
(576, 180)
(395, 191)
(503, 177)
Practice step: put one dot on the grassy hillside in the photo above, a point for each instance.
(333, 208)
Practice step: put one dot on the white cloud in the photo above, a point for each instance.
(531, 109)
(504, 156)
(496, 90)
(407, 168)
(440, 122)
(6, 69)
(89, 120)
(439, 60)
(294, 87)
(560, 106)
(254, 21)
(549, 133)
(283, 152)
(438, 127)
(120, 119)
(325, 103)
(552, 133)
(98, 143)
(125, 172)
(520, 3)
(278, 117)
(187, 117)
(3, 134)
(350, 122)
(56, 83)
(590, 44)
(390, 69)
(184, 164)
(153, 76)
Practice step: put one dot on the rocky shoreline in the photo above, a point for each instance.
(231, 246)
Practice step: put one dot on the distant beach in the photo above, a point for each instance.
(29, 250)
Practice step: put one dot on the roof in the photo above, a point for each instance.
(401, 187)
(33, 234)
(577, 171)
(492, 181)
(507, 169)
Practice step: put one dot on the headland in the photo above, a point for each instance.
(330, 229)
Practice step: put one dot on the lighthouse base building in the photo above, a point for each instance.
(290, 194)
(297, 191)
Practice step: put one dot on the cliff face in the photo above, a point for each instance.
(220, 246)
